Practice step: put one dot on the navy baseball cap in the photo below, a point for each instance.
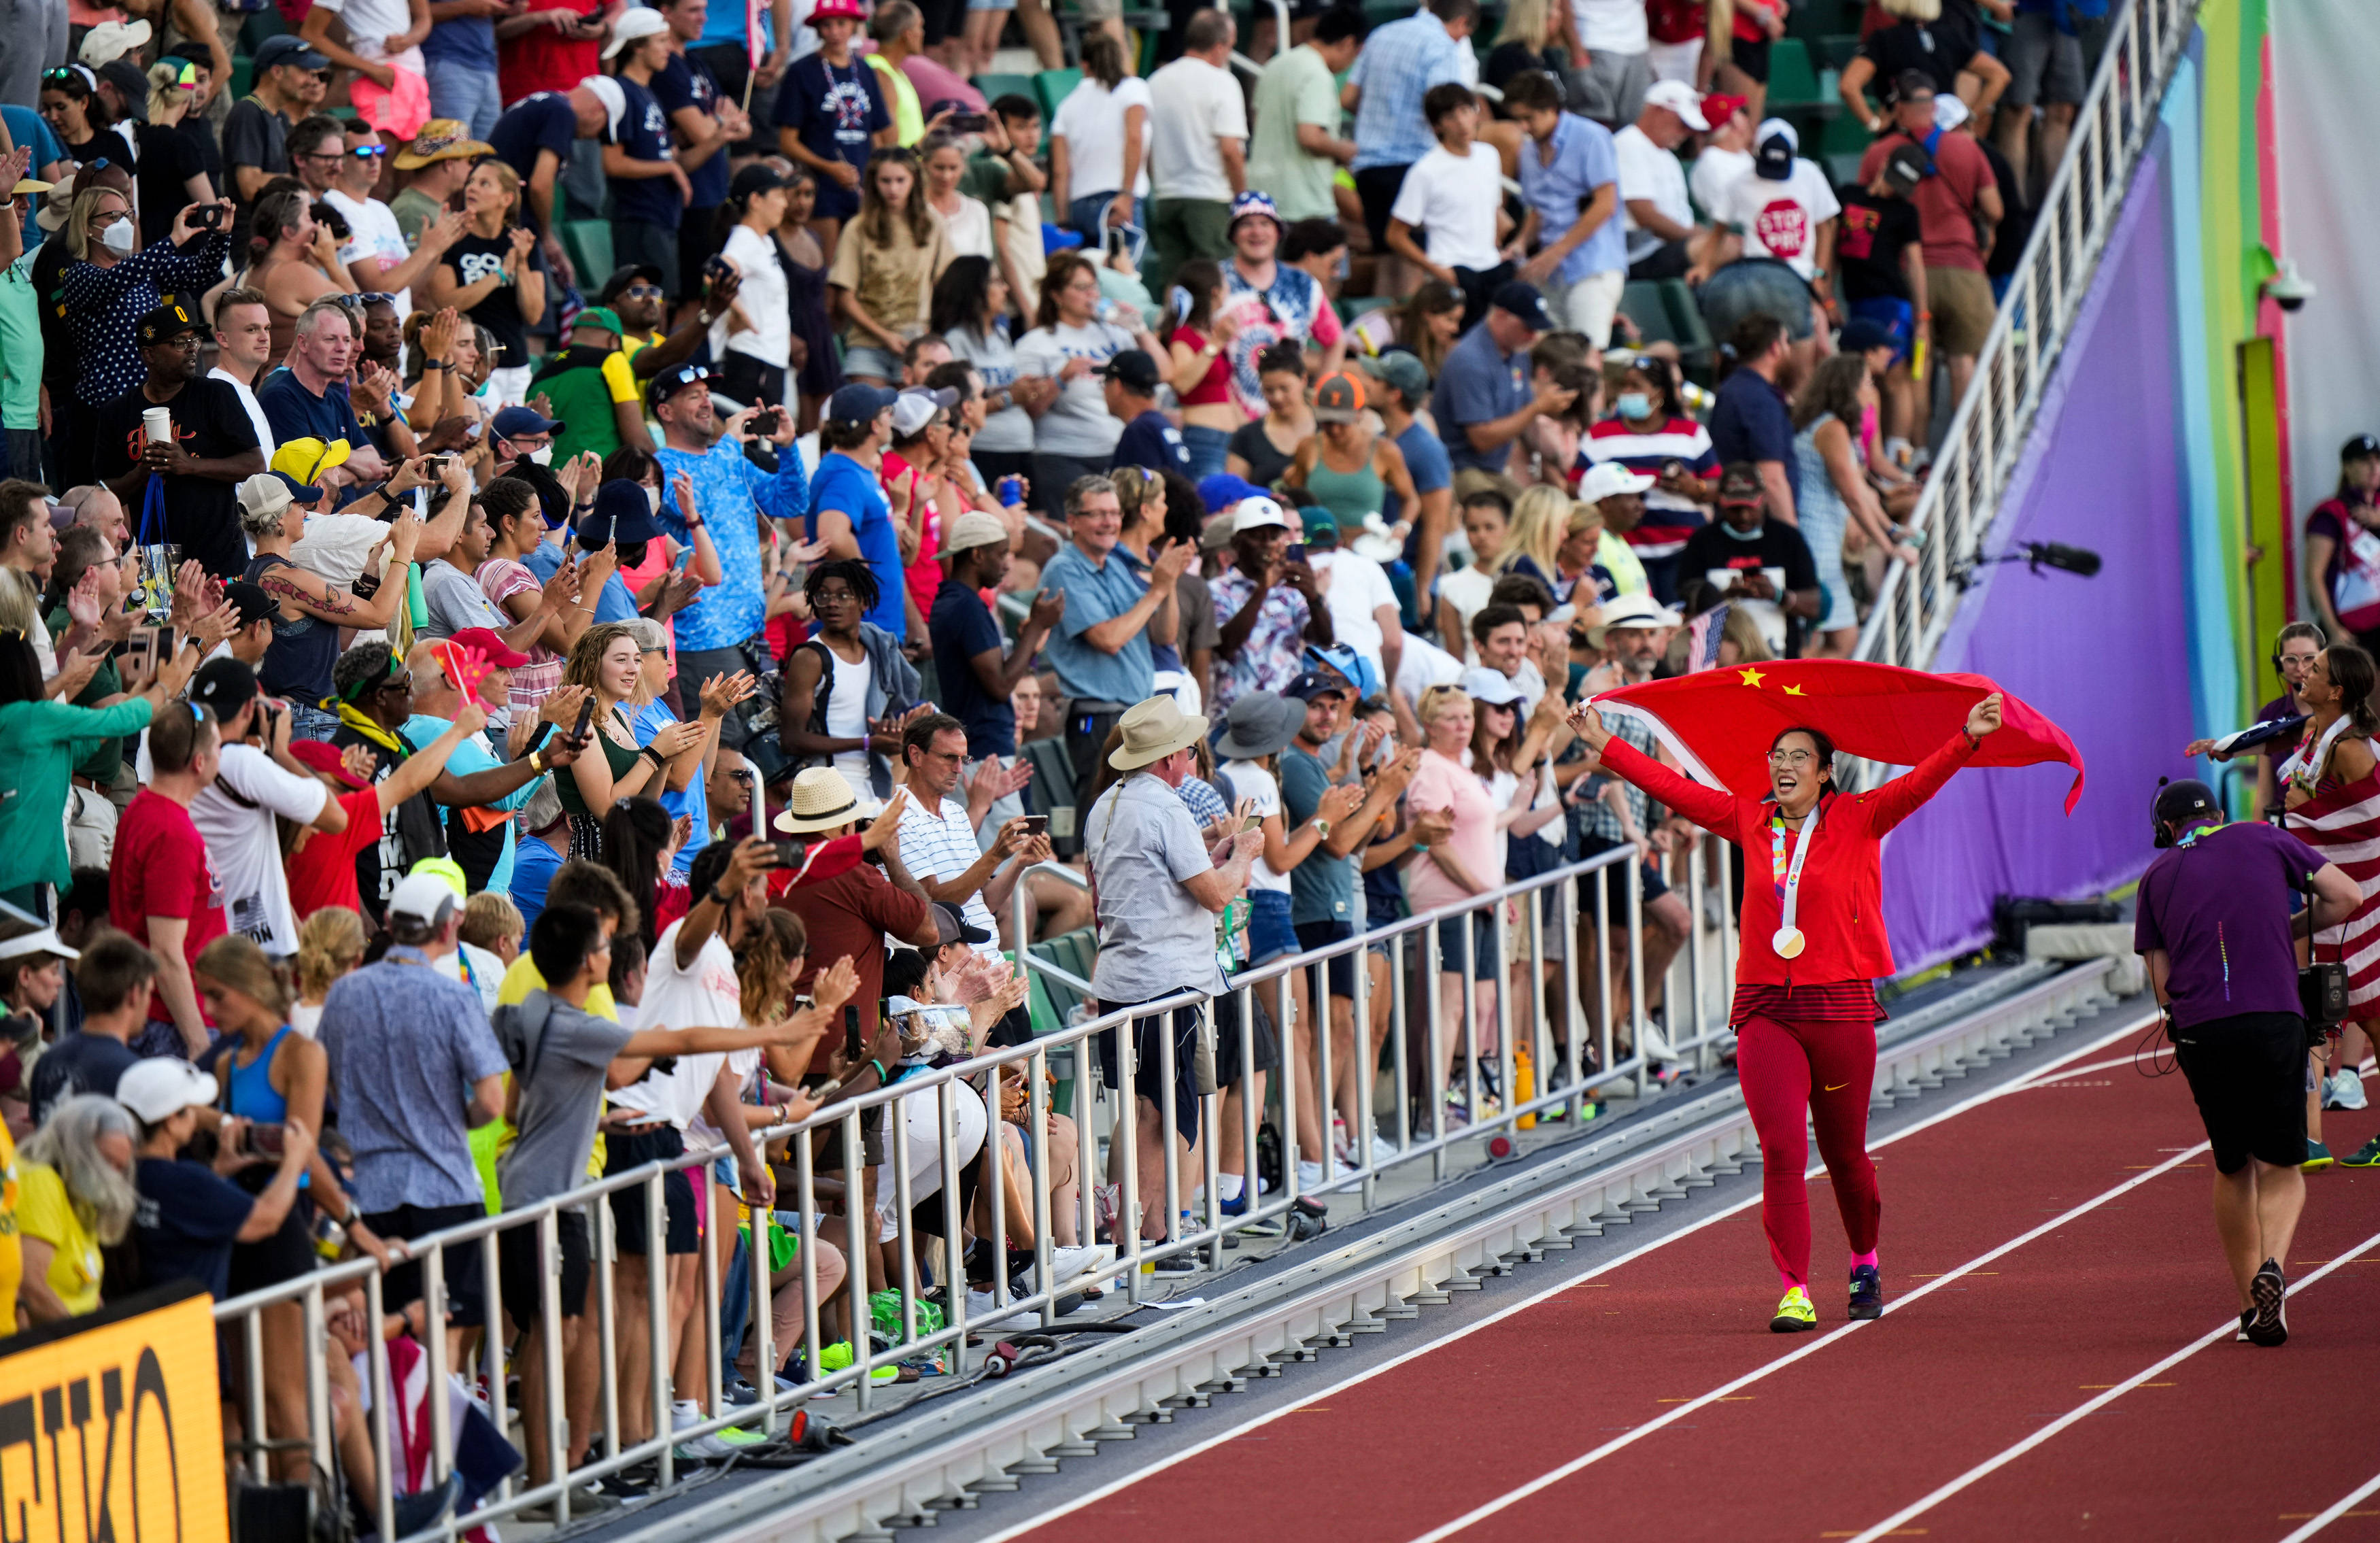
(286, 48)
(859, 403)
(515, 422)
(1862, 333)
(669, 383)
(1523, 301)
(1315, 683)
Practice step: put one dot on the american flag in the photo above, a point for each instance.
(1703, 638)
(2344, 826)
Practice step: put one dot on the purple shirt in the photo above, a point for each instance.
(2220, 909)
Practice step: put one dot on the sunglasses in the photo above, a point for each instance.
(368, 153)
(654, 289)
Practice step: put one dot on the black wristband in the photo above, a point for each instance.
(716, 898)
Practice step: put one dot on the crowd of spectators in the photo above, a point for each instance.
(405, 628)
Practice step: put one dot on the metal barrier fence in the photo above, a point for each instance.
(1565, 1025)
(1988, 428)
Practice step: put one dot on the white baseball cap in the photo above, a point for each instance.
(1605, 479)
(636, 21)
(1681, 99)
(162, 1087)
(1258, 513)
(425, 897)
(605, 89)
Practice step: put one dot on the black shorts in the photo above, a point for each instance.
(1616, 880)
(698, 242)
(1377, 189)
(2248, 1073)
(1264, 1038)
(1750, 58)
(285, 1256)
(827, 1152)
(521, 1286)
(624, 1150)
(1341, 968)
(466, 1282)
(1148, 1061)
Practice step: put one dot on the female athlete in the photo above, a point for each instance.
(1812, 947)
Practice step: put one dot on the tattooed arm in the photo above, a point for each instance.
(302, 593)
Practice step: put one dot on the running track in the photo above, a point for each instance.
(2057, 1362)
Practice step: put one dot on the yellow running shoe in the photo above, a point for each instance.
(1794, 1315)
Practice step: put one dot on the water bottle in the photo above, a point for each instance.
(1012, 492)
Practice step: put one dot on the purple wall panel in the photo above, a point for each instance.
(2106, 657)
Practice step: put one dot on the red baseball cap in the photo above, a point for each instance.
(1719, 106)
(322, 755)
(489, 645)
(827, 10)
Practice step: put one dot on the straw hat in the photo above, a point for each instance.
(820, 799)
(1152, 731)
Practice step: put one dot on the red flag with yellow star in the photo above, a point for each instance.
(1719, 722)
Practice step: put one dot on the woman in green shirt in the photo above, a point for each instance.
(40, 741)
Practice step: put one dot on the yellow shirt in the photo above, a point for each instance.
(12, 1251)
(908, 118)
(44, 1211)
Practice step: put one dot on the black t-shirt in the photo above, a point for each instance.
(409, 833)
(187, 1219)
(1932, 47)
(78, 1064)
(1871, 242)
(167, 161)
(1509, 59)
(961, 626)
(199, 131)
(1713, 546)
(2008, 238)
(253, 135)
(50, 264)
(474, 257)
(202, 514)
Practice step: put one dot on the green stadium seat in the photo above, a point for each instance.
(1380, 13)
(242, 76)
(1686, 324)
(1792, 81)
(1053, 86)
(1838, 49)
(1641, 302)
(589, 242)
(1843, 134)
(993, 86)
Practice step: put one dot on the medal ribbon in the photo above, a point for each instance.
(1789, 880)
(2304, 769)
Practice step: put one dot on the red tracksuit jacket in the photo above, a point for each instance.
(1841, 914)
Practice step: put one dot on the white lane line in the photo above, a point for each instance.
(2229, 1327)
(2338, 1510)
(2044, 1080)
(1546, 1480)
(1255, 1422)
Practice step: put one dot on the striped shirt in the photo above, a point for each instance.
(943, 845)
(1669, 519)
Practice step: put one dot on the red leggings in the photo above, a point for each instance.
(1828, 1068)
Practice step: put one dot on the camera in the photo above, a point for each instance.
(208, 216)
(2289, 289)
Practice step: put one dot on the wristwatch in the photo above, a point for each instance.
(1323, 826)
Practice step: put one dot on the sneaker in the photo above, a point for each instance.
(2346, 1091)
(1867, 1291)
(586, 1499)
(1794, 1315)
(2269, 1292)
(2247, 1317)
(1183, 1263)
(732, 1442)
(2318, 1157)
(980, 1306)
(2366, 1156)
(1312, 1181)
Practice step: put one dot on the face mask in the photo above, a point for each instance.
(117, 237)
(542, 456)
(1752, 535)
(1635, 404)
(653, 499)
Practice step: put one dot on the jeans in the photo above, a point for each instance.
(1083, 215)
(23, 447)
(696, 666)
(311, 722)
(1207, 448)
(467, 92)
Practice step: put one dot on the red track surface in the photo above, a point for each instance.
(1860, 1425)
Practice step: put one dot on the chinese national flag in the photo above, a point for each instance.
(1722, 722)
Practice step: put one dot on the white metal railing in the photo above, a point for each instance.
(1988, 428)
(1565, 1026)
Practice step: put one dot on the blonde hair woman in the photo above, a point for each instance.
(330, 944)
(608, 661)
(493, 274)
(75, 1197)
(1553, 540)
(1453, 868)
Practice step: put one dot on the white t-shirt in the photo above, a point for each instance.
(1192, 105)
(705, 996)
(969, 229)
(1453, 201)
(1255, 784)
(941, 846)
(761, 299)
(1422, 665)
(1359, 587)
(1780, 219)
(1077, 423)
(256, 419)
(846, 717)
(1649, 173)
(1611, 26)
(374, 233)
(1091, 120)
(1466, 589)
(1714, 172)
(245, 841)
(370, 23)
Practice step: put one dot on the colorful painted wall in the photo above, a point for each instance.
(2143, 452)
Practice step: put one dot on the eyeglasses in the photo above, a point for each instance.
(321, 75)
(321, 155)
(653, 289)
(1789, 758)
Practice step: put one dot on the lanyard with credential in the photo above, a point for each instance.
(1788, 940)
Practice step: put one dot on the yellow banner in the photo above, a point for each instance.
(111, 1431)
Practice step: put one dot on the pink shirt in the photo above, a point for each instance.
(1441, 783)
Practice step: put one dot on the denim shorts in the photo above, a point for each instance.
(1485, 963)
(864, 359)
(1269, 933)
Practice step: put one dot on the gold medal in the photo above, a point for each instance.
(1788, 943)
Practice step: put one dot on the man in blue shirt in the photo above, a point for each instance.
(1100, 645)
(723, 629)
(708, 124)
(1150, 438)
(308, 398)
(1398, 66)
(1483, 401)
(1570, 179)
(979, 673)
(1751, 421)
(650, 190)
(847, 508)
